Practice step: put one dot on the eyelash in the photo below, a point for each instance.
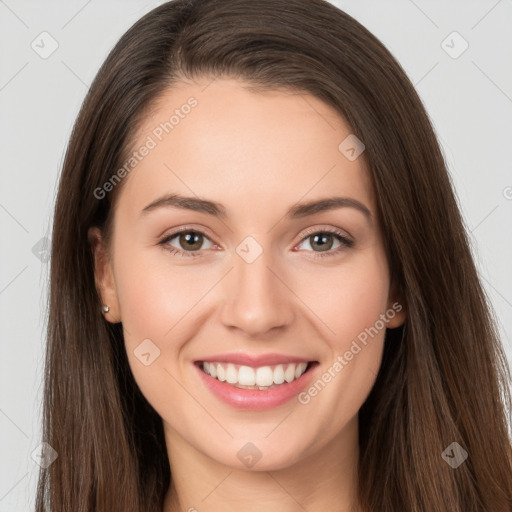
(346, 243)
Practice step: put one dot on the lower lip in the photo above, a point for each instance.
(253, 399)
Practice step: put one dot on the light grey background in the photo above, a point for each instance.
(469, 99)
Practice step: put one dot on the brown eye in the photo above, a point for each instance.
(189, 242)
(322, 242)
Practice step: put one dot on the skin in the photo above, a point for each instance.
(257, 153)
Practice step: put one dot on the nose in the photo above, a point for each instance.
(258, 299)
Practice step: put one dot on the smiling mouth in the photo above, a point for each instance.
(261, 377)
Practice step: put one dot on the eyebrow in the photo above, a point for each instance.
(218, 210)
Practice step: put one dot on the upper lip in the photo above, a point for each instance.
(253, 359)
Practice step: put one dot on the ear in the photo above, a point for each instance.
(104, 275)
(396, 311)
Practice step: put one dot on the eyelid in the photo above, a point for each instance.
(200, 228)
(325, 229)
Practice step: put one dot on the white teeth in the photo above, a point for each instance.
(231, 374)
(301, 368)
(221, 373)
(262, 378)
(246, 376)
(289, 374)
(279, 374)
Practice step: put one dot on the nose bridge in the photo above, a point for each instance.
(256, 299)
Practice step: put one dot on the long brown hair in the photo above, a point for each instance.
(444, 377)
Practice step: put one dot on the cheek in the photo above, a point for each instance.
(348, 298)
(351, 306)
(154, 294)
(154, 309)
(145, 299)
(362, 299)
(161, 310)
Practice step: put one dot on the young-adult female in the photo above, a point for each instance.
(253, 197)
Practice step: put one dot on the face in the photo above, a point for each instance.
(271, 293)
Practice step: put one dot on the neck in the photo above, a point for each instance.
(326, 480)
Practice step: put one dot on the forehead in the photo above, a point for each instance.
(252, 150)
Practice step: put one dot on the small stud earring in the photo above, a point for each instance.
(106, 308)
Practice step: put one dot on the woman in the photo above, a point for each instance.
(262, 293)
